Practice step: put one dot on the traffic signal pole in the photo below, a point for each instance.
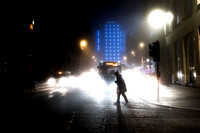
(154, 51)
(158, 75)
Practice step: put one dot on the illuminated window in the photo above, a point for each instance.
(106, 25)
(106, 29)
(113, 25)
(117, 25)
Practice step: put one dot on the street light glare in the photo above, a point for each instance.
(169, 17)
(83, 44)
(158, 18)
(141, 45)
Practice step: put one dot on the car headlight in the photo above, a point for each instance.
(51, 81)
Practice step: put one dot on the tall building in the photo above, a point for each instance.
(111, 42)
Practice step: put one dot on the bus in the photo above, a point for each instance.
(107, 69)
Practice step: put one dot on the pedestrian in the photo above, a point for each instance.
(121, 87)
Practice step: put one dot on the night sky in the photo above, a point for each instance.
(67, 21)
(59, 26)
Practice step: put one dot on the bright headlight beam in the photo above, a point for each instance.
(51, 81)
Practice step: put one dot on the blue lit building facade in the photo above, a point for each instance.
(111, 42)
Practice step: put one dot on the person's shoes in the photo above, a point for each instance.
(126, 103)
(116, 103)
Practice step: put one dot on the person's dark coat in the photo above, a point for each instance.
(120, 84)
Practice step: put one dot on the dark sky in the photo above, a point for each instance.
(66, 22)
(60, 25)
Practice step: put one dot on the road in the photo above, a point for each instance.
(79, 110)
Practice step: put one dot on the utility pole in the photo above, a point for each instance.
(154, 51)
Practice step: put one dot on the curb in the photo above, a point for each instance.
(169, 106)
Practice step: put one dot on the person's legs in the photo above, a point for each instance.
(118, 97)
(125, 98)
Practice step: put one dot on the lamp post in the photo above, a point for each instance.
(83, 46)
(158, 19)
(141, 46)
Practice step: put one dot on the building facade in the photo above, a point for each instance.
(111, 42)
(183, 41)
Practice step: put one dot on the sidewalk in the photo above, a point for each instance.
(178, 96)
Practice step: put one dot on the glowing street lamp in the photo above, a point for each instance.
(158, 18)
(32, 25)
(141, 45)
(133, 53)
(83, 44)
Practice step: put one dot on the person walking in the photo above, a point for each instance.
(121, 87)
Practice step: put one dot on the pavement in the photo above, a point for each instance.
(177, 96)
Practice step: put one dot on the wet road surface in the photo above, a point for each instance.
(84, 111)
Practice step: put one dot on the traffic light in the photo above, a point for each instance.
(154, 51)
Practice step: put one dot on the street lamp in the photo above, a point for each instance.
(133, 53)
(83, 44)
(32, 25)
(158, 18)
(141, 46)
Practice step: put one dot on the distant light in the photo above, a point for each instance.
(33, 22)
(31, 27)
(59, 72)
(195, 75)
(141, 44)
